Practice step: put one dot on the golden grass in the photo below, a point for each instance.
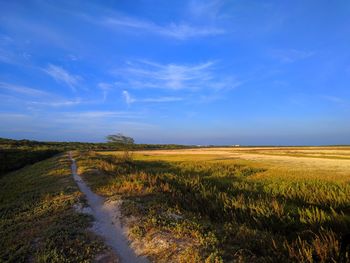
(240, 204)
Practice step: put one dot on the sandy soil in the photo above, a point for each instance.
(107, 222)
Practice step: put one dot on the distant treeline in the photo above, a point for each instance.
(15, 154)
(66, 146)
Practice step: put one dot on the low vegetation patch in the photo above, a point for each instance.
(37, 220)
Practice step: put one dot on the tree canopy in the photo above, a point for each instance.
(120, 139)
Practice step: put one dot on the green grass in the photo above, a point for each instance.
(232, 210)
(13, 159)
(37, 219)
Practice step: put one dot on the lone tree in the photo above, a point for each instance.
(124, 143)
(120, 139)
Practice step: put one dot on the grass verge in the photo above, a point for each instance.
(37, 220)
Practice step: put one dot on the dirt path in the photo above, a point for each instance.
(107, 223)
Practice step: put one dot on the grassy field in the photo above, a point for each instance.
(289, 204)
(37, 220)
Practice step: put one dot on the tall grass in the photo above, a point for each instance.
(231, 210)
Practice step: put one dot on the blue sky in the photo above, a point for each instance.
(189, 72)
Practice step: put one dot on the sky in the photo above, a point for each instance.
(203, 72)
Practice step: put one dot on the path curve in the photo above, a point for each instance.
(107, 223)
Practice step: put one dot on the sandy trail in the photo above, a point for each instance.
(107, 221)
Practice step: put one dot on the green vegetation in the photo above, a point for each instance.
(60, 146)
(13, 159)
(120, 139)
(37, 220)
(15, 154)
(230, 210)
(68, 146)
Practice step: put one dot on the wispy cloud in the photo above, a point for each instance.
(38, 31)
(11, 116)
(334, 99)
(130, 99)
(151, 75)
(127, 97)
(24, 90)
(14, 57)
(58, 103)
(100, 114)
(116, 20)
(291, 55)
(173, 30)
(105, 87)
(161, 99)
(63, 76)
(36, 97)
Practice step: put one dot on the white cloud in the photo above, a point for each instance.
(174, 30)
(58, 103)
(129, 99)
(63, 76)
(160, 99)
(99, 115)
(36, 97)
(18, 89)
(174, 77)
(105, 87)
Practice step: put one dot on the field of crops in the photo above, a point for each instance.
(230, 204)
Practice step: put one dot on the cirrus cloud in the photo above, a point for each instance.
(63, 76)
(144, 74)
